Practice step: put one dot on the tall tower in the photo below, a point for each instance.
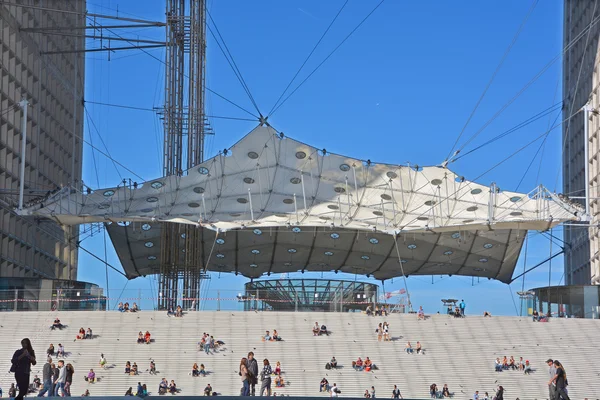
(580, 86)
(48, 72)
(181, 264)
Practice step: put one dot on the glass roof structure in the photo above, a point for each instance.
(273, 204)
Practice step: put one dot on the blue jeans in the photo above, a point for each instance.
(409, 351)
(246, 388)
(59, 385)
(207, 348)
(47, 388)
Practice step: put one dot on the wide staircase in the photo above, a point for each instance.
(458, 352)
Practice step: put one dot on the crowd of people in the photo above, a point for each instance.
(125, 307)
(144, 338)
(510, 364)
(57, 379)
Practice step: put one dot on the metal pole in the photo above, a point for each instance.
(586, 141)
(23, 103)
(218, 301)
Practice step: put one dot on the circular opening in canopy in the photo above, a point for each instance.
(203, 170)
(108, 193)
(253, 265)
(300, 155)
(430, 202)
(333, 207)
(345, 167)
(248, 180)
(476, 191)
(488, 246)
(328, 253)
(374, 240)
(296, 229)
(335, 235)
(253, 155)
(151, 258)
(220, 255)
(436, 182)
(193, 205)
(257, 231)
(156, 185)
(255, 251)
(242, 200)
(412, 246)
(339, 189)
(483, 260)
(472, 208)
(448, 252)
(514, 199)
(292, 251)
(152, 199)
(124, 223)
(365, 257)
(386, 197)
(199, 190)
(456, 235)
(295, 181)
(220, 241)
(378, 213)
(149, 244)
(391, 175)
(288, 201)
(146, 227)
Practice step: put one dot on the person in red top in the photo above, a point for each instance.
(147, 337)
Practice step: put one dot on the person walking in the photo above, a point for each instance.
(552, 373)
(252, 366)
(46, 378)
(560, 380)
(22, 361)
(245, 379)
(265, 377)
(61, 380)
(69, 379)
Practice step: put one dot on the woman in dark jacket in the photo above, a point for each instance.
(500, 393)
(22, 361)
(69, 379)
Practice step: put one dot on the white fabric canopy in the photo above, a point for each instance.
(267, 181)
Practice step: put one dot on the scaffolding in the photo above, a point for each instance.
(182, 266)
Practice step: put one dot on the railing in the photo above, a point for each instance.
(216, 300)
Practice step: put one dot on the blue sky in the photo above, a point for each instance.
(400, 89)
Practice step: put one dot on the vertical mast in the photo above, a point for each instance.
(182, 262)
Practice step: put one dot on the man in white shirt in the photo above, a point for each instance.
(62, 378)
(335, 391)
(551, 372)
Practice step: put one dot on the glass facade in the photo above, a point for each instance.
(574, 301)
(33, 294)
(308, 295)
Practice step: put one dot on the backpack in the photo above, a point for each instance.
(328, 366)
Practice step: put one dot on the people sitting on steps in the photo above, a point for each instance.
(208, 390)
(446, 391)
(140, 338)
(163, 386)
(324, 385)
(147, 339)
(50, 350)
(172, 387)
(316, 329)
(90, 377)
(331, 364)
(128, 367)
(88, 334)
(57, 324)
(178, 312)
(323, 330)
(61, 351)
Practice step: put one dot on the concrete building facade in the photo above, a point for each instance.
(34, 67)
(580, 86)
